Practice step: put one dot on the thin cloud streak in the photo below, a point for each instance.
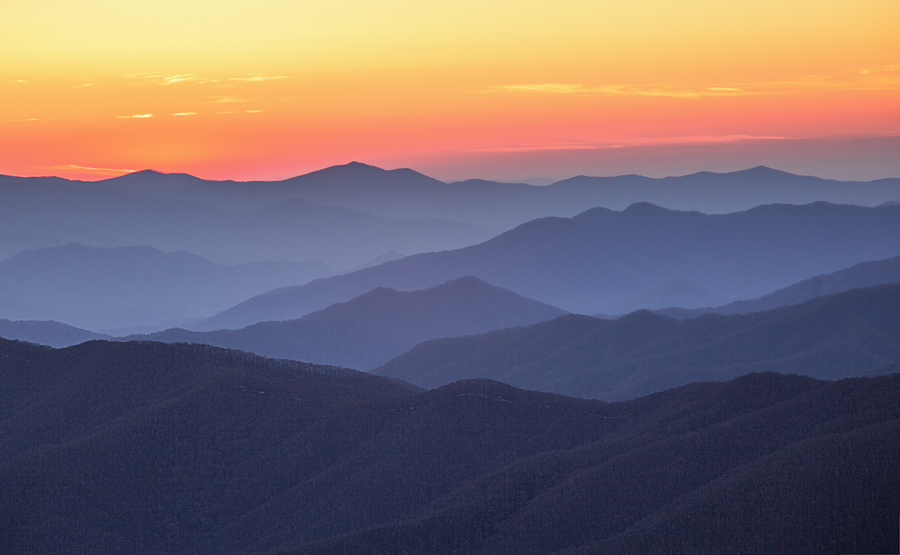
(136, 116)
(650, 141)
(616, 90)
(90, 169)
(258, 78)
(885, 77)
(533, 148)
(196, 78)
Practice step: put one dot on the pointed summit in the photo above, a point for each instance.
(762, 171)
(152, 174)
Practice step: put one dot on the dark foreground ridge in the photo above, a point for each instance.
(143, 448)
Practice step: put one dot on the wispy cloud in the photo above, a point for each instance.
(893, 68)
(577, 89)
(240, 112)
(886, 77)
(93, 170)
(699, 139)
(196, 78)
(136, 116)
(227, 99)
(185, 114)
(171, 80)
(632, 142)
(533, 148)
(164, 79)
(26, 119)
(258, 78)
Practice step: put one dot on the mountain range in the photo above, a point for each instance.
(46, 212)
(593, 261)
(56, 334)
(834, 336)
(772, 426)
(864, 274)
(365, 211)
(104, 288)
(373, 328)
(406, 194)
(139, 448)
(46, 332)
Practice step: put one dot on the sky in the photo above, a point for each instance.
(524, 90)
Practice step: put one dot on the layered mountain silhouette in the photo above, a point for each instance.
(373, 328)
(45, 212)
(144, 447)
(864, 274)
(386, 257)
(599, 258)
(847, 334)
(101, 288)
(46, 332)
(182, 212)
(680, 292)
(406, 194)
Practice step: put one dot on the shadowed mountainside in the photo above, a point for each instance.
(46, 212)
(592, 261)
(371, 329)
(680, 292)
(102, 288)
(864, 274)
(830, 337)
(139, 448)
(407, 194)
(182, 212)
(46, 332)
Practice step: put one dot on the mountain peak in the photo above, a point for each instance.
(357, 170)
(645, 208)
(148, 173)
(762, 171)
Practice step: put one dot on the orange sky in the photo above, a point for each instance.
(274, 88)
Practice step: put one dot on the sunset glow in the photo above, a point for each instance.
(271, 89)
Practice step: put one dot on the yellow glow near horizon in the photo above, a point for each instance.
(194, 82)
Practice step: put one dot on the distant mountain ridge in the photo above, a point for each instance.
(587, 263)
(43, 332)
(405, 193)
(864, 274)
(102, 288)
(372, 328)
(44, 212)
(830, 337)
